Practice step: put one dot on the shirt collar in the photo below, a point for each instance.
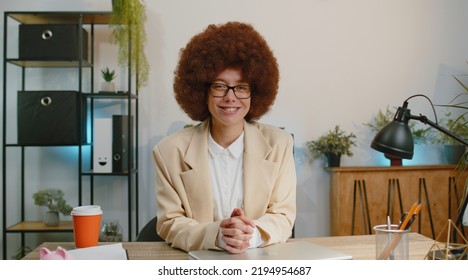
(235, 149)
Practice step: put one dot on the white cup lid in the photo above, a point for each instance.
(86, 210)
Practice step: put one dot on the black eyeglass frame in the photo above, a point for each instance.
(228, 88)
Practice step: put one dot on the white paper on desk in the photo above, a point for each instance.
(103, 252)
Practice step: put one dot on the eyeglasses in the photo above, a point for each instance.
(220, 90)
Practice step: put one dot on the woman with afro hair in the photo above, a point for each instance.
(228, 183)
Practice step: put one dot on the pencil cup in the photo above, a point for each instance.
(86, 225)
(391, 244)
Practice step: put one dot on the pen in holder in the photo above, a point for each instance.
(396, 236)
(391, 244)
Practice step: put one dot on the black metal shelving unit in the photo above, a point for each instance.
(83, 20)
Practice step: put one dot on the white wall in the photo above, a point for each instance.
(340, 62)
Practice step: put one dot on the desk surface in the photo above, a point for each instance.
(361, 247)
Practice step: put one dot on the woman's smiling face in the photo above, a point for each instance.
(228, 110)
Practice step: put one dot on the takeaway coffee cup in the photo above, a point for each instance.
(86, 225)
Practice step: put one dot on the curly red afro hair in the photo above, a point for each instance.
(219, 47)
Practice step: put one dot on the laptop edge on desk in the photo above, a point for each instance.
(295, 250)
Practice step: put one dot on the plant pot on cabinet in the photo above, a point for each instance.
(333, 159)
(51, 218)
(454, 153)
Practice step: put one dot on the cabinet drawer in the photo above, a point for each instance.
(51, 41)
(51, 118)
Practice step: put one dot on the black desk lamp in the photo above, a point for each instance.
(395, 139)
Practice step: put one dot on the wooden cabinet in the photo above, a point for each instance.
(362, 197)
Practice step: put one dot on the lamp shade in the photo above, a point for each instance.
(395, 138)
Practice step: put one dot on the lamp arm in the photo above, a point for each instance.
(425, 120)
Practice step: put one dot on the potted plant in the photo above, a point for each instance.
(332, 146)
(127, 22)
(457, 125)
(381, 119)
(55, 203)
(108, 76)
(21, 252)
(110, 232)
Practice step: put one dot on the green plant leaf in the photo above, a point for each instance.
(461, 83)
(127, 22)
(336, 141)
(107, 74)
(53, 200)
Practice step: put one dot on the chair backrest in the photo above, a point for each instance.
(148, 232)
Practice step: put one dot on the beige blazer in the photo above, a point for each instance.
(183, 187)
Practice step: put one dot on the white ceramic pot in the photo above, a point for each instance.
(108, 86)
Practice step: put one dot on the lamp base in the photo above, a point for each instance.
(394, 161)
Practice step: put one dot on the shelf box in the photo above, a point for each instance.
(52, 41)
(51, 118)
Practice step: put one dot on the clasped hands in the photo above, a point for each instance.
(237, 231)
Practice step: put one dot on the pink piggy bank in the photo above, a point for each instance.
(59, 254)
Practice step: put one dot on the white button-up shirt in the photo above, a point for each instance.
(226, 165)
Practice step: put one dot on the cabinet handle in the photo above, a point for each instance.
(47, 34)
(46, 101)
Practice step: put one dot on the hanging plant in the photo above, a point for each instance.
(127, 22)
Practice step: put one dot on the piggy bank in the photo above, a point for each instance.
(59, 254)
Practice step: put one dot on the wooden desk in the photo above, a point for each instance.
(361, 247)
